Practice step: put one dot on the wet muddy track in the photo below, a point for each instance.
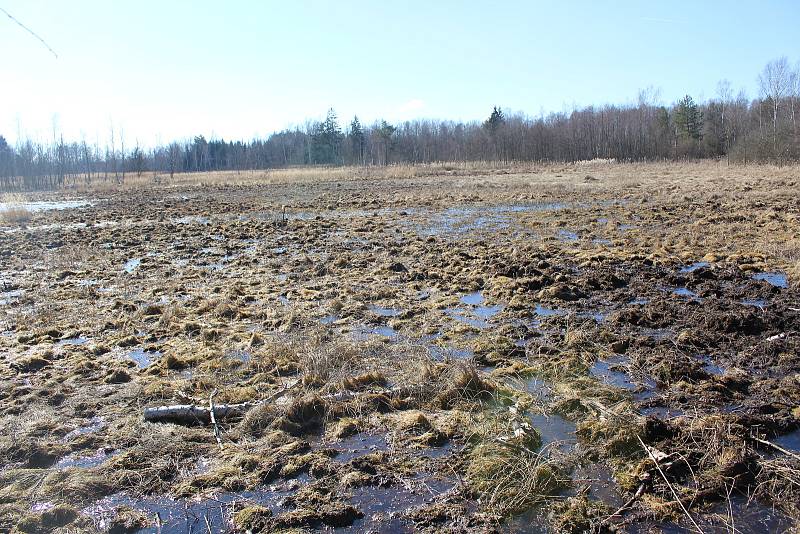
(457, 359)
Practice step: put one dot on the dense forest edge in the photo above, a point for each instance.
(736, 128)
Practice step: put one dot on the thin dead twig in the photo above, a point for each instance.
(671, 488)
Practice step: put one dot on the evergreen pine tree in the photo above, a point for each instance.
(688, 119)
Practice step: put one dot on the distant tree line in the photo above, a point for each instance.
(763, 129)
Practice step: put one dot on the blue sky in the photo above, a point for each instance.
(161, 70)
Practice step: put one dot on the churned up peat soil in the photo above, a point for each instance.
(590, 347)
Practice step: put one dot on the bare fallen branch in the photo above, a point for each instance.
(192, 414)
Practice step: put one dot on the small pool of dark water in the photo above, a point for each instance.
(555, 431)
(384, 312)
(608, 371)
(473, 299)
(685, 292)
(79, 340)
(600, 480)
(748, 516)
(790, 441)
(383, 506)
(84, 460)
(92, 425)
(459, 220)
(544, 311)
(243, 356)
(142, 358)
(709, 366)
(358, 445)
(362, 333)
(662, 412)
(694, 266)
(184, 515)
(774, 278)
(567, 235)
(449, 353)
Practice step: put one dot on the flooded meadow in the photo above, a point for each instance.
(579, 348)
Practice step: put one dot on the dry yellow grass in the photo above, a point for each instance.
(13, 210)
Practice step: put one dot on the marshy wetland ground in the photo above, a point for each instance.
(596, 347)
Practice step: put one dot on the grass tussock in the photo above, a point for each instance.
(506, 469)
(13, 210)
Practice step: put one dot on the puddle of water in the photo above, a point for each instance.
(603, 371)
(662, 412)
(329, 319)
(458, 220)
(748, 516)
(460, 315)
(239, 355)
(602, 241)
(141, 357)
(84, 461)
(191, 219)
(487, 312)
(384, 312)
(658, 334)
(80, 340)
(382, 505)
(757, 303)
(684, 292)
(94, 424)
(775, 278)
(362, 333)
(132, 264)
(45, 205)
(694, 266)
(709, 366)
(566, 235)
(544, 311)
(790, 441)
(601, 482)
(639, 301)
(183, 515)
(555, 431)
(359, 445)
(597, 316)
(10, 297)
(473, 299)
(475, 314)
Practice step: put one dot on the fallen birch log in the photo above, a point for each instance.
(193, 414)
(188, 414)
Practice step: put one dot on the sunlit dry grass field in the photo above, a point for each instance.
(443, 348)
